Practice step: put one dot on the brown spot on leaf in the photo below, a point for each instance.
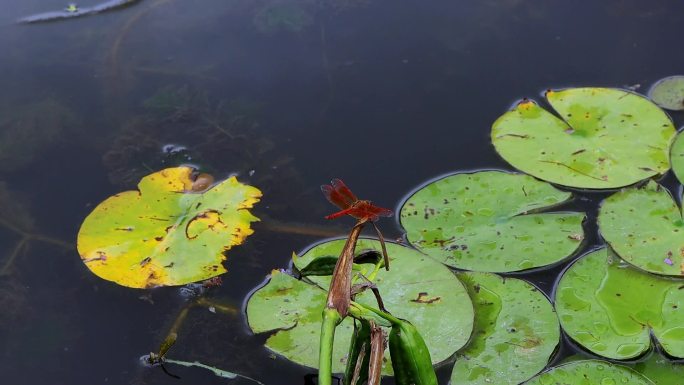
(423, 298)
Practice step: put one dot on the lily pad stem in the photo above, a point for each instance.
(387, 317)
(362, 312)
(331, 318)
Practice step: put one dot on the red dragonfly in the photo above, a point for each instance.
(341, 196)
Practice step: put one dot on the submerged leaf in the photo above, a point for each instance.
(167, 233)
(645, 228)
(607, 138)
(31, 130)
(417, 288)
(613, 309)
(488, 221)
(516, 332)
(282, 16)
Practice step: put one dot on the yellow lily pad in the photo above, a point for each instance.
(172, 231)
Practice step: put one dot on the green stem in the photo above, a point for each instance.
(376, 269)
(384, 315)
(361, 312)
(331, 318)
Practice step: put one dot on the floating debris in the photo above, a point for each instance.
(73, 11)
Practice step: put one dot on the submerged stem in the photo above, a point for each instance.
(225, 309)
(298, 229)
(15, 253)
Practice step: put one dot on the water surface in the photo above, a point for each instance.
(384, 94)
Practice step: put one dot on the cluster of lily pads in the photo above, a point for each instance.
(462, 232)
(613, 301)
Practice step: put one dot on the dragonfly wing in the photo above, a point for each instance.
(334, 197)
(344, 191)
(380, 211)
(348, 211)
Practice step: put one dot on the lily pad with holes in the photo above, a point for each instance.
(516, 332)
(167, 233)
(677, 157)
(669, 93)
(590, 372)
(612, 309)
(606, 138)
(644, 226)
(490, 221)
(416, 288)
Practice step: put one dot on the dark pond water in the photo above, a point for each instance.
(384, 94)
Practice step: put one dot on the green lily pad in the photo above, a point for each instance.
(489, 221)
(655, 367)
(416, 288)
(677, 157)
(645, 228)
(169, 232)
(590, 372)
(612, 309)
(607, 138)
(516, 332)
(660, 370)
(669, 93)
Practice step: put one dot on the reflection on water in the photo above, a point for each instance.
(284, 93)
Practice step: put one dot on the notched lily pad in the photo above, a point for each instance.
(645, 228)
(590, 372)
(612, 309)
(293, 308)
(607, 138)
(669, 93)
(169, 232)
(516, 332)
(677, 157)
(489, 221)
(416, 288)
